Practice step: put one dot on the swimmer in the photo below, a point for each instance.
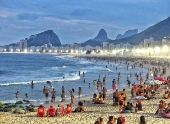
(94, 81)
(26, 95)
(32, 83)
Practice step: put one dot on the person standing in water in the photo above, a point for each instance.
(79, 92)
(32, 84)
(17, 94)
(46, 92)
(26, 95)
(104, 79)
(53, 95)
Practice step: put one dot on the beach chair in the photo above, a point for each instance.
(60, 110)
(51, 111)
(68, 109)
(41, 111)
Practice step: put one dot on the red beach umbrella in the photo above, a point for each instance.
(159, 78)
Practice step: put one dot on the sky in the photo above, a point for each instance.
(76, 21)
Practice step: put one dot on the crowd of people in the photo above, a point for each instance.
(142, 89)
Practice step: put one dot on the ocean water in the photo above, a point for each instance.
(18, 70)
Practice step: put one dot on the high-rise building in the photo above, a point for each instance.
(166, 41)
(23, 44)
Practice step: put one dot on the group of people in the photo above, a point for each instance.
(100, 97)
(119, 120)
(163, 109)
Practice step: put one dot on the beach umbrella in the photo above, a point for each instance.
(139, 97)
(153, 82)
(159, 78)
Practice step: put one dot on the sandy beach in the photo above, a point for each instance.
(93, 111)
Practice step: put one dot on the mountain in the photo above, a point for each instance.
(45, 37)
(128, 33)
(101, 37)
(157, 31)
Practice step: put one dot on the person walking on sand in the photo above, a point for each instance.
(63, 96)
(104, 93)
(79, 92)
(72, 96)
(114, 84)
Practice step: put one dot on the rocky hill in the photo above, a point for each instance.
(101, 37)
(128, 33)
(157, 31)
(45, 37)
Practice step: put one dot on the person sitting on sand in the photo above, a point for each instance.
(138, 106)
(111, 120)
(161, 107)
(120, 120)
(167, 110)
(99, 120)
(165, 96)
(94, 97)
(128, 108)
(80, 108)
(99, 100)
(142, 120)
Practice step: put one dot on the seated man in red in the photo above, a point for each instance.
(51, 111)
(41, 111)
(60, 110)
(68, 109)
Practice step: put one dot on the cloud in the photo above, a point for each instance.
(27, 16)
(81, 12)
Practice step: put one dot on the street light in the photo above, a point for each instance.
(157, 50)
(165, 49)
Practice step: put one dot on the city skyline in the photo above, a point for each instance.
(77, 21)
